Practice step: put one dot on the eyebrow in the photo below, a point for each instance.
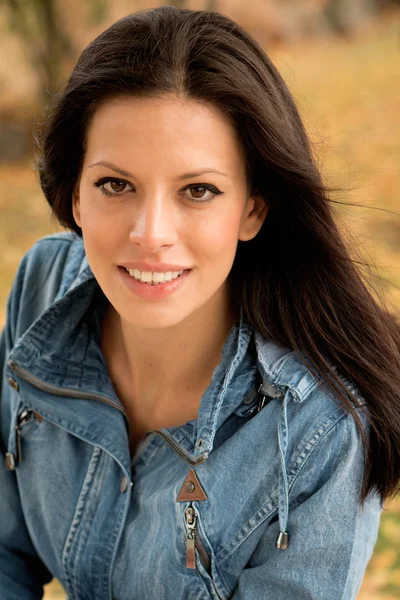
(181, 177)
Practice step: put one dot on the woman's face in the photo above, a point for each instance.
(163, 190)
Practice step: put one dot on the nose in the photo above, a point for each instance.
(154, 224)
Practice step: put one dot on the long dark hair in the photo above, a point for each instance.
(296, 280)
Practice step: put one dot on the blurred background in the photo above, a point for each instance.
(341, 61)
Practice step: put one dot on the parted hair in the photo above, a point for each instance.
(296, 280)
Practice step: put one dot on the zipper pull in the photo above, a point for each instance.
(262, 399)
(22, 419)
(190, 539)
(10, 461)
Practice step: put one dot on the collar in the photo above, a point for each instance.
(62, 350)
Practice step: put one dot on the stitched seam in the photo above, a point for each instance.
(323, 436)
(306, 447)
(274, 500)
(227, 379)
(204, 536)
(268, 510)
(84, 435)
(70, 541)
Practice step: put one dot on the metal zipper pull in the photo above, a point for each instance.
(266, 391)
(22, 419)
(193, 543)
(262, 400)
(190, 539)
(10, 461)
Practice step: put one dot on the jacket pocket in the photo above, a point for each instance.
(197, 556)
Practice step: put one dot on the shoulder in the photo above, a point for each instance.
(309, 415)
(45, 273)
(287, 370)
(57, 255)
(52, 258)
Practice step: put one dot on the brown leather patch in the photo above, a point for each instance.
(38, 417)
(191, 489)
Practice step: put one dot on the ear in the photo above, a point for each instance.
(253, 217)
(76, 208)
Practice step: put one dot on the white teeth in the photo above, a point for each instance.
(153, 278)
(158, 278)
(146, 276)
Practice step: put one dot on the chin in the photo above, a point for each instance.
(152, 318)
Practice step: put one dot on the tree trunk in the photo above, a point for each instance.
(40, 27)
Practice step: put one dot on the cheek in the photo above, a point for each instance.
(94, 228)
(98, 234)
(214, 246)
(222, 235)
(99, 221)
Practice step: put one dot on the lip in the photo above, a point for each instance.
(153, 292)
(153, 267)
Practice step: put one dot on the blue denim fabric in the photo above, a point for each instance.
(75, 505)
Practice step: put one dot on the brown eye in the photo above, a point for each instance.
(117, 186)
(199, 187)
(196, 194)
(113, 187)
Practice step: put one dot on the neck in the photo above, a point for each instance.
(177, 358)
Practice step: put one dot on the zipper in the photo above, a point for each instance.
(193, 543)
(192, 539)
(10, 460)
(23, 418)
(64, 392)
(186, 457)
(70, 393)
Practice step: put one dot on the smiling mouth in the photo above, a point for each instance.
(156, 278)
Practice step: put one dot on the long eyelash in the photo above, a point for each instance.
(105, 180)
(215, 191)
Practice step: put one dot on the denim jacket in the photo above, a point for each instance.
(257, 498)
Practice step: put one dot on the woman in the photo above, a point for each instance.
(200, 396)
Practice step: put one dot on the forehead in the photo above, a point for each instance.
(167, 127)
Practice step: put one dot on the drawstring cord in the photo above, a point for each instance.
(267, 390)
(283, 508)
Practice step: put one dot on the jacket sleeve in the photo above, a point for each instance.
(22, 573)
(331, 536)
